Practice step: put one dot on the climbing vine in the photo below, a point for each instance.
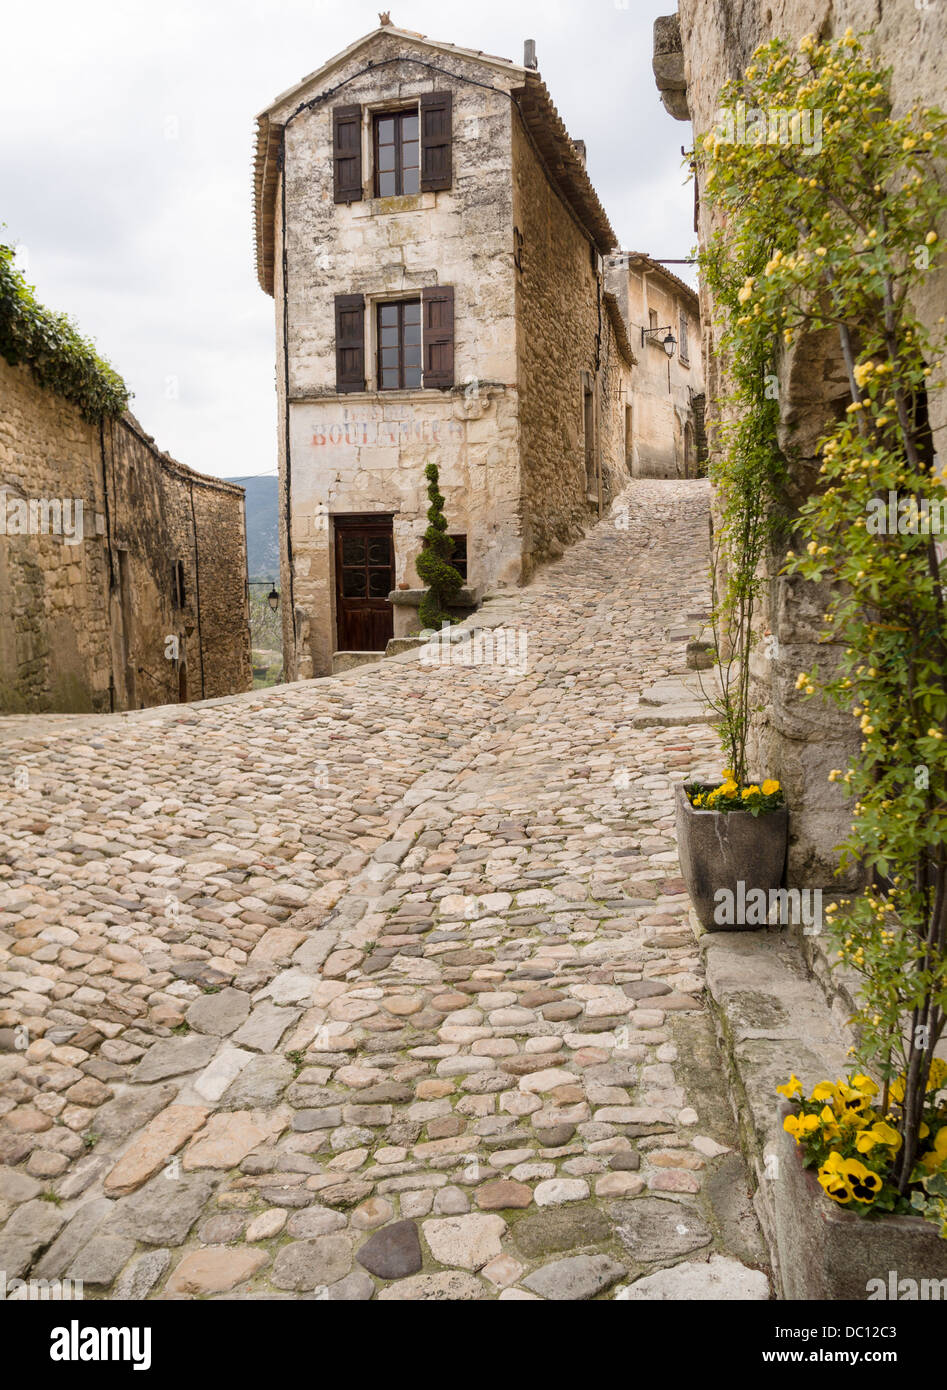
(58, 356)
(836, 235)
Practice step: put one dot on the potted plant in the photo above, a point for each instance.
(732, 850)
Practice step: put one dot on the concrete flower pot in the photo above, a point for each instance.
(732, 850)
(824, 1251)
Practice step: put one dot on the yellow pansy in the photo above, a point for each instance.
(770, 787)
(800, 1125)
(792, 1088)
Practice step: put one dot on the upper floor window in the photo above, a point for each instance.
(397, 154)
(410, 149)
(682, 340)
(399, 345)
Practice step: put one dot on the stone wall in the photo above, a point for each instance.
(71, 640)
(663, 441)
(795, 740)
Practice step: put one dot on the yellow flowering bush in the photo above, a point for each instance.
(848, 1132)
(730, 796)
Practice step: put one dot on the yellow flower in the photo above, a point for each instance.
(800, 1125)
(770, 787)
(865, 1184)
(938, 1074)
(824, 1091)
(792, 1088)
(833, 1180)
(937, 1156)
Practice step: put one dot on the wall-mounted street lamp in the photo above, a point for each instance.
(272, 599)
(669, 343)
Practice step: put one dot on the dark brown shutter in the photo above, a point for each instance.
(347, 153)
(437, 320)
(435, 141)
(350, 342)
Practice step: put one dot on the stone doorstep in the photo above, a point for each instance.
(667, 716)
(772, 1018)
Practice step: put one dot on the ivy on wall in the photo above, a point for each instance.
(59, 357)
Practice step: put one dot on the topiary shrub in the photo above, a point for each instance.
(443, 582)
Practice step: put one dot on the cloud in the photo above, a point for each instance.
(125, 164)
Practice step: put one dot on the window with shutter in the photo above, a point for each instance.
(347, 153)
(436, 157)
(682, 341)
(437, 318)
(349, 342)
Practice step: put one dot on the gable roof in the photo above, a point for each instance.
(640, 260)
(565, 169)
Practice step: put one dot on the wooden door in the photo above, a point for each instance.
(364, 577)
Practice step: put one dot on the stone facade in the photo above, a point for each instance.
(522, 252)
(160, 553)
(662, 423)
(695, 53)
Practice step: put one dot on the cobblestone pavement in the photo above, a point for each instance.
(380, 986)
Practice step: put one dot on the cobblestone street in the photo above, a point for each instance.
(379, 986)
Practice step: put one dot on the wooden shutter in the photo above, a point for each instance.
(436, 159)
(350, 342)
(437, 331)
(347, 153)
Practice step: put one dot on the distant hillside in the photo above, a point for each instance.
(262, 535)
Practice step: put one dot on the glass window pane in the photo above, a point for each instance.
(389, 337)
(412, 377)
(389, 313)
(411, 182)
(412, 332)
(412, 355)
(379, 583)
(386, 130)
(389, 379)
(379, 552)
(389, 357)
(387, 185)
(353, 550)
(409, 128)
(412, 311)
(353, 583)
(386, 157)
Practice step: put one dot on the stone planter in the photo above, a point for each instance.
(824, 1251)
(732, 850)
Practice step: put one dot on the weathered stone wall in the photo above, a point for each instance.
(69, 639)
(799, 741)
(662, 389)
(561, 328)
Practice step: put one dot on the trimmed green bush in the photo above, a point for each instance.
(443, 582)
(59, 357)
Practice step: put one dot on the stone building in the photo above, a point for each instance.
(695, 52)
(664, 412)
(122, 573)
(436, 252)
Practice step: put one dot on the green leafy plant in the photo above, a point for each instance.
(58, 356)
(443, 582)
(848, 226)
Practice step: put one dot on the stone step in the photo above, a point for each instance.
(666, 716)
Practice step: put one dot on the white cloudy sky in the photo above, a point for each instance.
(125, 157)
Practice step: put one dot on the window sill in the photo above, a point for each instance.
(393, 207)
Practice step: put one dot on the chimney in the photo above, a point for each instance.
(529, 54)
(580, 150)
